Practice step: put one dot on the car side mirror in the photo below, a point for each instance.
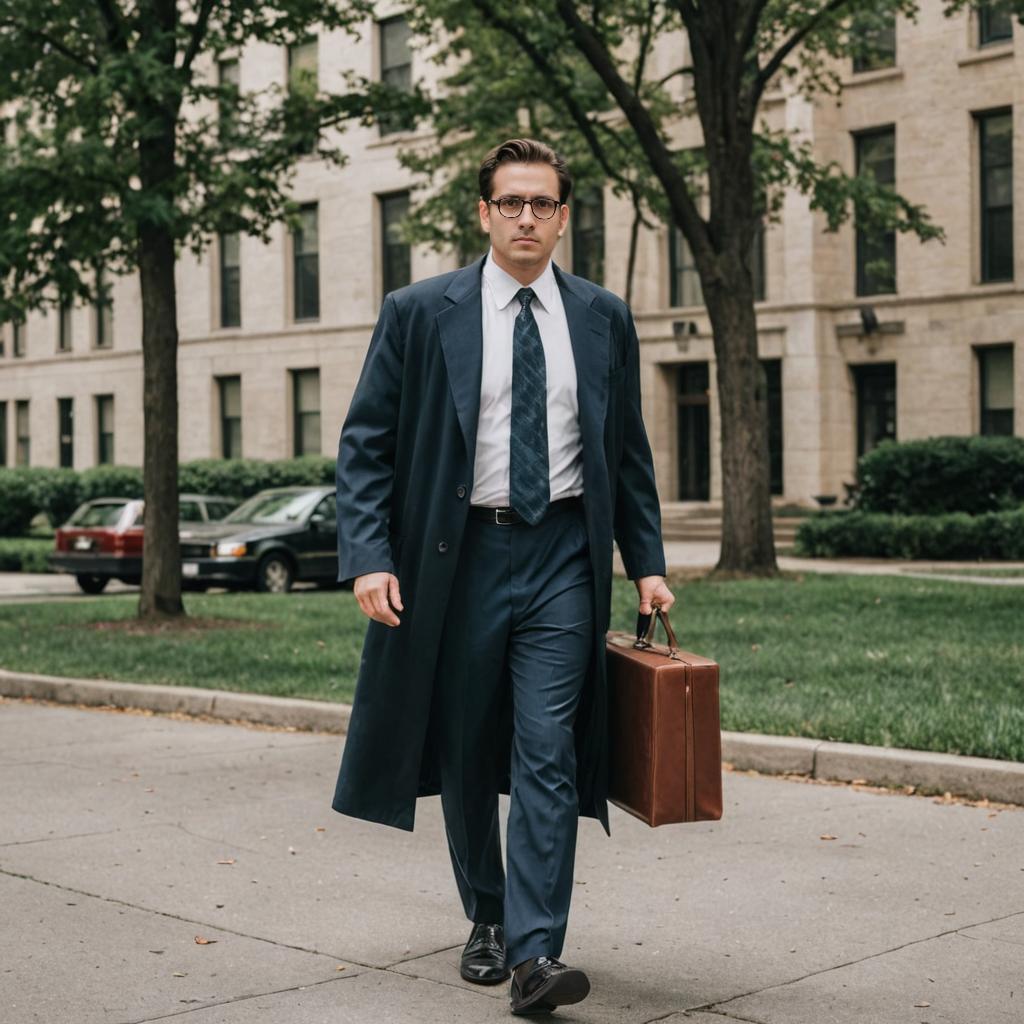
(317, 519)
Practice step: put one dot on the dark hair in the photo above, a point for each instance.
(524, 151)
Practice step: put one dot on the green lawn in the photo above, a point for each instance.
(915, 663)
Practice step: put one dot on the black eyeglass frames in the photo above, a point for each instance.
(543, 207)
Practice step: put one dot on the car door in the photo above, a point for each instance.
(323, 539)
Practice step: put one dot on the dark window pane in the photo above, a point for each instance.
(876, 404)
(66, 428)
(397, 254)
(875, 154)
(773, 382)
(230, 281)
(22, 453)
(395, 67)
(995, 147)
(3, 433)
(104, 312)
(587, 222)
(873, 36)
(306, 401)
(228, 78)
(684, 280)
(64, 327)
(994, 26)
(995, 369)
(307, 266)
(230, 389)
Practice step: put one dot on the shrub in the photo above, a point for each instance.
(22, 554)
(111, 482)
(942, 474)
(56, 493)
(955, 535)
(17, 500)
(241, 478)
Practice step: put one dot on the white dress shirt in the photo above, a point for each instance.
(565, 451)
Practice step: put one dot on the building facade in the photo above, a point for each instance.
(273, 335)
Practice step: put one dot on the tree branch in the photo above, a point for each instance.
(90, 65)
(111, 15)
(780, 55)
(198, 34)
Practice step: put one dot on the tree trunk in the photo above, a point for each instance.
(161, 557)
(748, 545)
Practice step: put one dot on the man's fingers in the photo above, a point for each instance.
(394, 595)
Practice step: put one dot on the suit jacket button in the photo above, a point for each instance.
(460, 491)
(442, 547)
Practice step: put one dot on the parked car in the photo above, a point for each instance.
(103, 538)
(275, 538)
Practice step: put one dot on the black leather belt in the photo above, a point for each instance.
(504, 516)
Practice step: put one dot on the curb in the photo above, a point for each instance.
(974, 777)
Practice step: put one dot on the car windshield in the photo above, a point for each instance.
(106, 513)
(277, 507)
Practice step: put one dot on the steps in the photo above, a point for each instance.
(702, 521)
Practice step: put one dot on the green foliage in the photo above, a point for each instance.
(17, 501)
(110, 482)
(24, 554)
(122, 129)
(953, 535)
(936, 475)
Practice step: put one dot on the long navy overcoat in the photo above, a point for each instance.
(405, 474)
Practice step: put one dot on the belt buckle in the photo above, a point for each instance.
(499, 512)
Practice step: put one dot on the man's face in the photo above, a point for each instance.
(523, 244)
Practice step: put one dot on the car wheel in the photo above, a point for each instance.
(274, 575)
(92, 584)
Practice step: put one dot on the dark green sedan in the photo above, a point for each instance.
(271, 541)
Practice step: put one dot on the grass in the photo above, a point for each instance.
(931, 665)
(1013, 574)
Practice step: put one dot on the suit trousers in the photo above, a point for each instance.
(519, 627)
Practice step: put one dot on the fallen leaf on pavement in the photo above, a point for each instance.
(827, 836)
(200, 941)
(227, 860)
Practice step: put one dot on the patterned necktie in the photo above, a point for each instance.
(529, 482)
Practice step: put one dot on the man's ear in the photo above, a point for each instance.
(563, 219)
(485, 216)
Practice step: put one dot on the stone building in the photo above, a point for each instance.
(273, 336)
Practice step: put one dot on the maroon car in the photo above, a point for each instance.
(103, 538)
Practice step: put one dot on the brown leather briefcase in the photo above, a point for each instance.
(664, 730)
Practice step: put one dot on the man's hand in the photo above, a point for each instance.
(652, 590)
(374, 591)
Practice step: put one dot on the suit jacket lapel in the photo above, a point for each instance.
(460, 329)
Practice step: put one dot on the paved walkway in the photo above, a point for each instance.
(124, 836)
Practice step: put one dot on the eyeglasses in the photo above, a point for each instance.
(512, 206)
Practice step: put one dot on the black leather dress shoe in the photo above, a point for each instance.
(483, 959)
(542, 983)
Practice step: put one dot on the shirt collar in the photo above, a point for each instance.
(504, 286)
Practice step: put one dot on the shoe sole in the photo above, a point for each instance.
(563, 989)
(476, 980)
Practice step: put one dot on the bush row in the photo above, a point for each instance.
(27, 491)
(24, 554)
(942, 474)
(955, 535)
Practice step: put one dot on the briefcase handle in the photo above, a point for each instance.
(645, 625)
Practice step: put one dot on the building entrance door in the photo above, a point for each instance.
(876, 404)
(693, 412)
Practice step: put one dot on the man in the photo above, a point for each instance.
(493, 447)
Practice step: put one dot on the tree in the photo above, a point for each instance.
(579, 77)
(129, 145)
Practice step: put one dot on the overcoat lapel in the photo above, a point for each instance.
(460, 329)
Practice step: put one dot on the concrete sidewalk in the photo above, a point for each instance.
(124, 836)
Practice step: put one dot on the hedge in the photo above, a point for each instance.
(26, 491)
(955, 535)
(24, 554)
(937, 475)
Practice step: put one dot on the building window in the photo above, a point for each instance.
(104, 312)
(64, 327)
(397, 253)
(876, 404)
(303, 76)
(230, 281)
(873, 36)
(875, 153)
(230, 389)
(3, 433)
(395, 67)
(66, 426)
(773, 394)
(306, 264)
(104, 429)
(995, 147)
(995, 380)
(22, 453)
(306, 402)
(994, 26)
(587, 223)
(228, 79)
(18, 338)
(684, 280)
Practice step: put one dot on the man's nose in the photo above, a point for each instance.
(526, 216)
